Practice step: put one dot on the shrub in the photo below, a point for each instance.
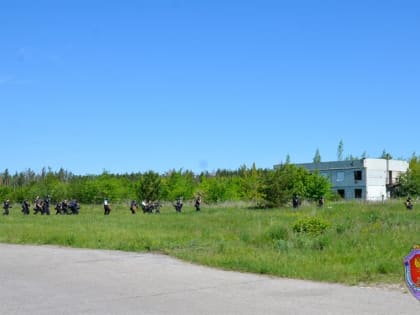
(314, 226)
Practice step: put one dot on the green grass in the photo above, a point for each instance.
(362, 243)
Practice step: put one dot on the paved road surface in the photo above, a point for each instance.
(54, 280)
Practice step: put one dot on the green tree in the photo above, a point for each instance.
(211, 188)
(317, 186)
(340, 150)
(5, 193)
(282, 183)
(251, 184)
(385, 155)
(149, 186)
(216, 189)
(317, 157)
(5, 178)
(85, 189)
(177, 184)
(410, 181)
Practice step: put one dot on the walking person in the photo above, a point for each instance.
(25, 207)
(74, 206)
(107, 207)
(64, 207)
(46, 205)
(408, 204)
(295, 201)
(197, 203)
(321, 201)
(6, 207)
(38, 205)
(133, 206)
(58, 208)
(178, 205)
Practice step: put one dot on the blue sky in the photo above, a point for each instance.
(132, 86)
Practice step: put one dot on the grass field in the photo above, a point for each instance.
(349, 243)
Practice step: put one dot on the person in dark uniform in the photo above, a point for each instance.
(74, 207)
(58, 208)
(197, 203)
(144, 206)
(408, 204)
(178, 205)
(133, 206)
(107, 207)
(25, 207)
(64, 207)
(295, 201)
(6, 207)
(321, 202)
(46, 206)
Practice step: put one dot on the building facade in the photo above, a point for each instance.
(366, 179)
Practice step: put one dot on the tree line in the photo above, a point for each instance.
(261, 187)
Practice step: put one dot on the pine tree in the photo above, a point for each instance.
(317, 157)
(340, 151)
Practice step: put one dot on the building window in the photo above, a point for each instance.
(357, 175)
(341, 193)
(358, 193)
(340, 176)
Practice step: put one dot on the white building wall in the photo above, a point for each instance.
(398, 166)
(377, 173)
(375, 184)
(376, 193)
(375, 164)
(375, 177)
(382, 164)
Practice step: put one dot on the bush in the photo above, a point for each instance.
(314, 226)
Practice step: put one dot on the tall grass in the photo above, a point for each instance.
(361, 243)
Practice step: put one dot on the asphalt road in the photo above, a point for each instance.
(54, 280)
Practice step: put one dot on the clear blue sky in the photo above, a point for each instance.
(132, 86)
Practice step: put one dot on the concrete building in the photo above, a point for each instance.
(366, 179)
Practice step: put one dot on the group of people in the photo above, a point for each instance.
(148, 206)
(72, 206)
(67, 207)
(152, 206)
(296, 201)
(42, 206)
(197, 204)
